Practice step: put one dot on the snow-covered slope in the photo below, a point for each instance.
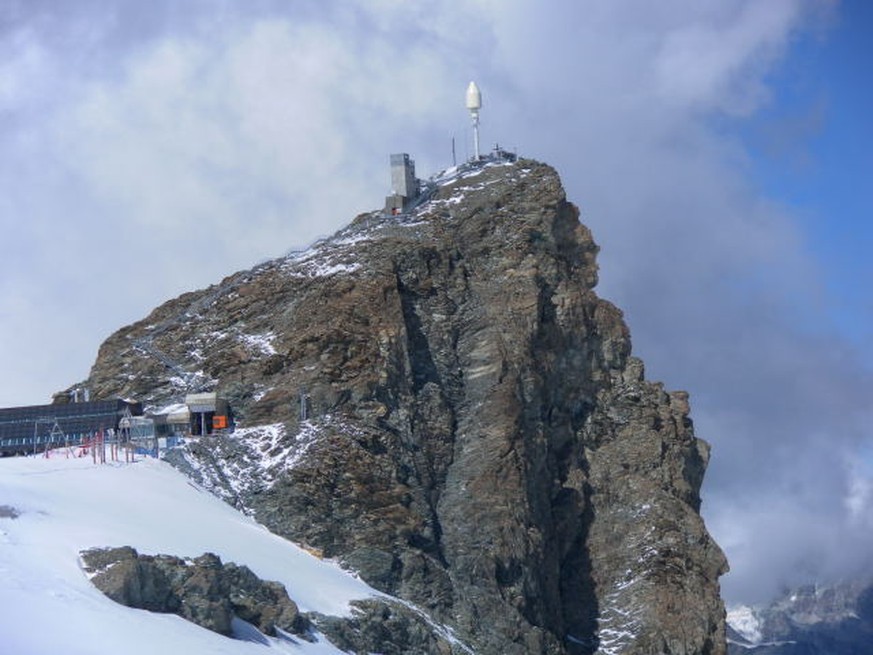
(47, 605)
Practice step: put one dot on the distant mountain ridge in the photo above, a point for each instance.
(811, 620)
(441, 401)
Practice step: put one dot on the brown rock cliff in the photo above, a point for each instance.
(479, 439)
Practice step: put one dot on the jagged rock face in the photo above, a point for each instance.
(479, 440)
(387, 627)
(203, 590)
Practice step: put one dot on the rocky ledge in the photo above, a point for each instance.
(442, 402)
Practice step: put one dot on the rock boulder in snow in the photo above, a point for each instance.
(202, 590)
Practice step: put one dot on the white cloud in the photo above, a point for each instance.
(153, 149)
(718, 61)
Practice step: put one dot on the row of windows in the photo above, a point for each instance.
(69, 426)
(57, 438)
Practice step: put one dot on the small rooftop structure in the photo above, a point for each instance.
(172, 421)
(207, 411)
(405, 187)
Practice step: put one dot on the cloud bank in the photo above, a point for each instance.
(152, 148)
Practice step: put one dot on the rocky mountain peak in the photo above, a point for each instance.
(834, 619)
(440, 400)
(231, 335)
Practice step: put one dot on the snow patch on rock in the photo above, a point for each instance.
(743, 619)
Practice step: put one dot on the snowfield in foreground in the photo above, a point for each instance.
(47, 604)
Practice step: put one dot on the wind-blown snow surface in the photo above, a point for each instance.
(47, 604)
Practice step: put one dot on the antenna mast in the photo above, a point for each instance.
(474, 104)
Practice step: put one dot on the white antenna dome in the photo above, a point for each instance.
(474, 97)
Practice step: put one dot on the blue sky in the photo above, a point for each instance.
(719, 151)
(811, 150)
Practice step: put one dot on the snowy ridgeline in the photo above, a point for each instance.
(337, 255)
(54, 508)
(744, 621)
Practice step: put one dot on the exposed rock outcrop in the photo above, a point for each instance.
(203, 590)
(478, 439)
(388, 628)
(9, 512)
